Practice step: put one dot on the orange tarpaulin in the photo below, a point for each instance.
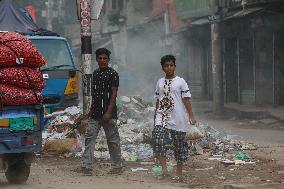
(32, 12)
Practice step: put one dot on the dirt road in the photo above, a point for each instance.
(59, 172)
(56, 172)
(50, 171)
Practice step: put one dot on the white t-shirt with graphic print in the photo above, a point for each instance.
(171, 112)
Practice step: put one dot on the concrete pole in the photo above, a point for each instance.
(86, 49)
(49, 15)
(217, 66)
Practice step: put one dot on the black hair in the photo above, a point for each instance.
(101, 51)
(168, 58)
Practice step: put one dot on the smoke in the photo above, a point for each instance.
(142, 68)
(144, 49)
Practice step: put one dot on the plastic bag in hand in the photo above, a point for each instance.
(194, 132)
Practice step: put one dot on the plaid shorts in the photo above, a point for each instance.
(159, 137)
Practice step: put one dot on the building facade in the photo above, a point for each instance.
(252, 47)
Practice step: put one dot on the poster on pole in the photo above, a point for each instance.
(85, 17)
(97, 8)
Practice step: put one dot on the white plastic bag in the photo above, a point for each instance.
(194, 132)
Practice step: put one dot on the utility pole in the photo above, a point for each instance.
(86, 50)
(217, 66)
(49, 16)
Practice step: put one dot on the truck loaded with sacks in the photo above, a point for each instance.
(36, 71)
(21, 110)
(61, 89)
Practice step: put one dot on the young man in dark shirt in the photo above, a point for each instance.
(103, 113)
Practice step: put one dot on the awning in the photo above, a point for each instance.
(229, 15)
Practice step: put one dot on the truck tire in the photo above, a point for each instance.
(18, 172)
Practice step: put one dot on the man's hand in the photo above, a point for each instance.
(106, 118)
(90, 114)
(192, 120)
(188, 108)
(108, 114)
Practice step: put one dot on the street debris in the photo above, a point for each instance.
(204, 169)
(64, 135)
(194, 132)
(157, 169)
(60, 135)
(138, 169)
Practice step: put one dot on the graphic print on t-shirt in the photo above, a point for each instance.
(166, 104)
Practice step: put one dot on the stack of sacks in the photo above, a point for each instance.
(21, 81)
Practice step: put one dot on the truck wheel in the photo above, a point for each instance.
(18, 172)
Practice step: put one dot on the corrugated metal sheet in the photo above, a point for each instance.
(238, 3)
(193, 8)
(244, 12)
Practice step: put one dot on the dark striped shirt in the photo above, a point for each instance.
(103, 81)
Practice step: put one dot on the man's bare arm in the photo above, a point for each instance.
(188, 108)
(108, 113)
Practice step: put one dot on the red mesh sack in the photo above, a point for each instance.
(16, 49)
(10, 95)
(22, 77)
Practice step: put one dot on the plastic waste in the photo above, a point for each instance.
(195, 149)
(158, 169)
(241, 155)
(193, 133)
(144, 152)
(138, 169)
(249, 147)
(132, 157)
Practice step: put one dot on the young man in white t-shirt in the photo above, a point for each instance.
(172, 115)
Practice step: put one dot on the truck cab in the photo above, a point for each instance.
(60, 74)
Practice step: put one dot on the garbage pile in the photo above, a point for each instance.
(60, 135)
(65, 135)
(222, 147)
(135, 125)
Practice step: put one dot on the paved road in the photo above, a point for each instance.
(256, 132)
